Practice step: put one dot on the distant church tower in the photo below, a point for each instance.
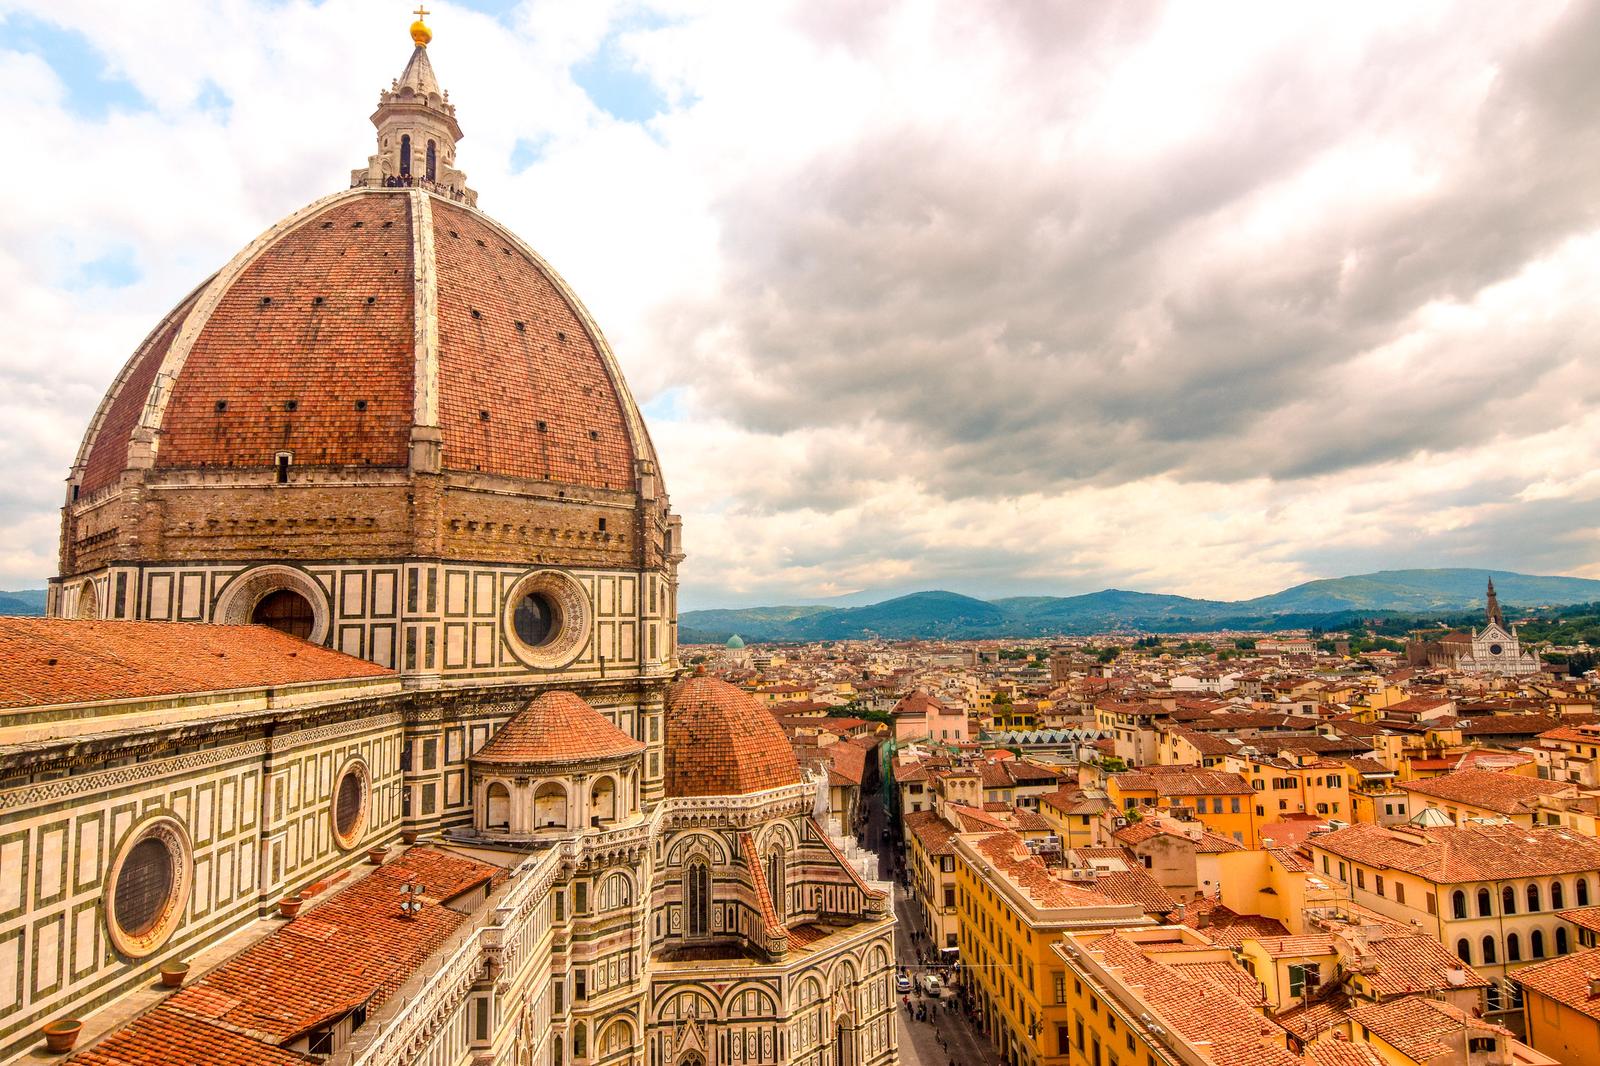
(1496, 648)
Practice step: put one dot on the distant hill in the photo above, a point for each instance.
(28, 601)
(1330, 603)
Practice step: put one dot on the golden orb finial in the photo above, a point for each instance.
(420, 34)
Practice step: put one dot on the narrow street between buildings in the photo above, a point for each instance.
(931, 1032)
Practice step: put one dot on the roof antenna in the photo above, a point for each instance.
(411, 899)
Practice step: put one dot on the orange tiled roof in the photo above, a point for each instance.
(1227, 928)
(47, 661)
(318, 342)
(1343, 1053)
(1418, 1027)
(1456, 854)
(1502, 793)
(1235, 1032)
(1416, 962)
(353, 949)
(1566, 979)
(171, 1036)
(931, 831)
(557, 727)
(721, 743)
(323, 316)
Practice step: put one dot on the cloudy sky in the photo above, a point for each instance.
(998, 296)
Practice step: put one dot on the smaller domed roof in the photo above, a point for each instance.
(557, 728)
(736, 641)
(720, 742)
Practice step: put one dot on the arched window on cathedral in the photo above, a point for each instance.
(550, 806)
(843, 1047)
(433, 162)
(775, 882)
(697, 899)
(405, 155)
(580, 1041)
(498, 814)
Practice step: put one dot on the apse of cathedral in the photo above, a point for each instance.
(356, 732)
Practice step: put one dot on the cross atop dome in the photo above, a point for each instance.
(417, 130)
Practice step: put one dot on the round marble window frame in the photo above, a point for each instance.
(350, 841)
(171, 832)
(574, 619)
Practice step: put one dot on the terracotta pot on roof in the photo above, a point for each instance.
(173, 974)
(376, 855)
(289, 906)
(62, 1034)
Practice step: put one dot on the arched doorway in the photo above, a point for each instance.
(844, 1049)
(286, 611)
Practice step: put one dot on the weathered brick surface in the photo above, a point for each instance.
(323, 357)
(549, 371)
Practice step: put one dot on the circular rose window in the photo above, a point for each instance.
(352, 796)
(1495, 649)
(151, 877)
(547, 619)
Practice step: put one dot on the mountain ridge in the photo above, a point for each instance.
(949, 615)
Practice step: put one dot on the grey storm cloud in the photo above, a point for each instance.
(1012, 317)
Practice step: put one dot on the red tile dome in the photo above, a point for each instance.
(348, 324)
(721, 742)
(557, 728)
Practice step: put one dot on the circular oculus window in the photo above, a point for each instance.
(547, 619)
(1495, 649)
(352, 799)
(148, 889)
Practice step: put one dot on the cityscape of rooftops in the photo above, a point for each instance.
(556, 533)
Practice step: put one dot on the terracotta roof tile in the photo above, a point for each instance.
(46, 661)
(168, 1036)
(1503, 793)
(557, 727)
(1419, 1027)
(354, 948)
(1456, 854)
(319, 343)
(549, 371)
(720, 742)
(1567, 980)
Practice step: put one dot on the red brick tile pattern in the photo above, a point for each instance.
(720, 742)
(356, 345)
(557, 728)
(549, 371)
